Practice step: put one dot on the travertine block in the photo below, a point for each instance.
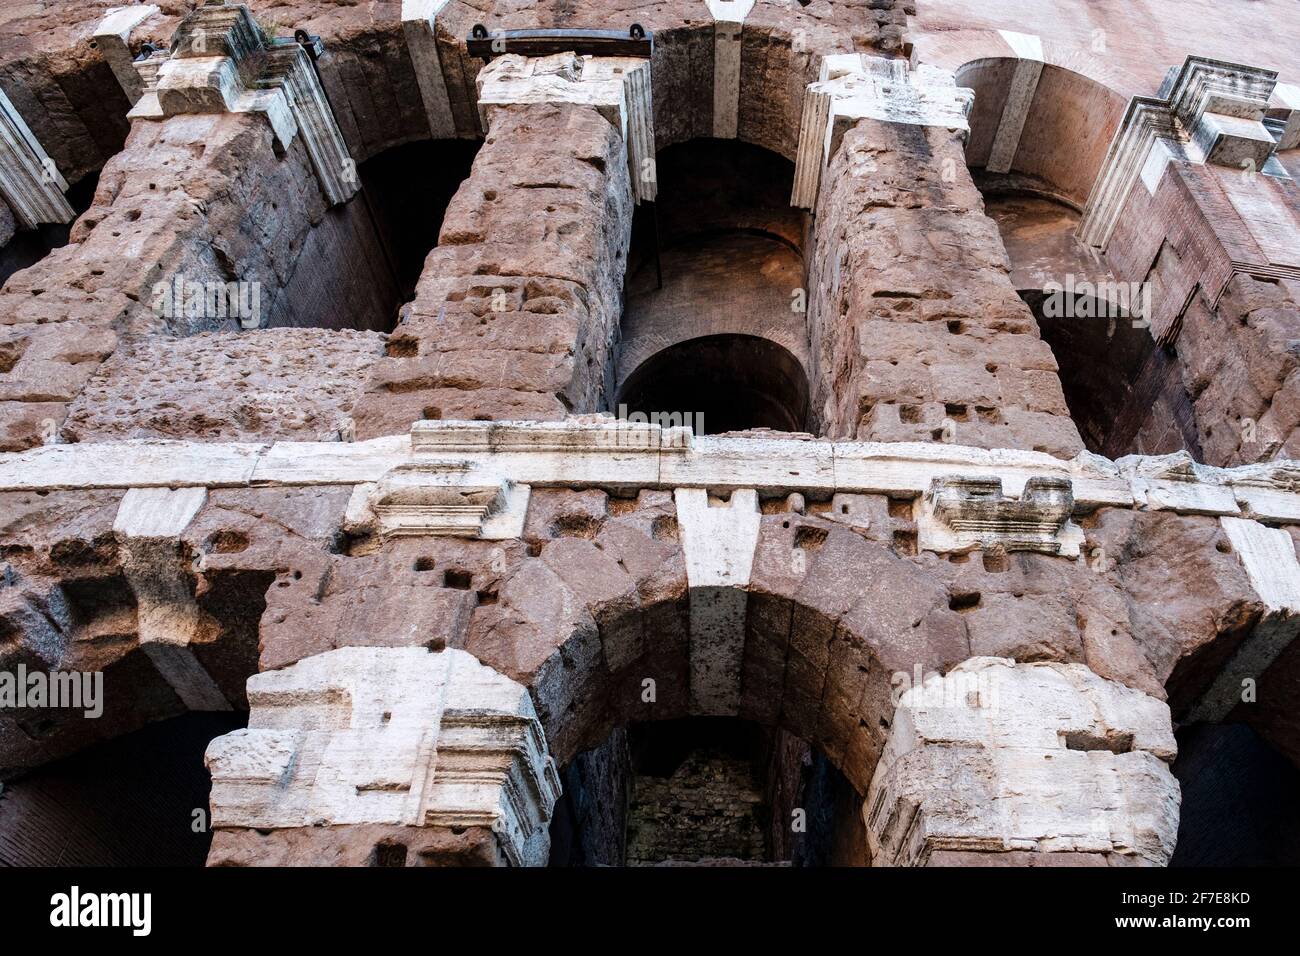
(997, 757)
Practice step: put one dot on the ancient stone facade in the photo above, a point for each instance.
(736, 432)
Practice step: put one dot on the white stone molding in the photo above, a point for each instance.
(1207, 111)
(419, 26)
(718, 543)
(146, 107)
(855, 86)
(958, 514)
(996, 756)
(148, 525)
(113, 37)
(389, 735)
(440, 499)
(618, 88)
(1269, 558)
(221, 63)
(728, 27)
(1288, 133)
(29, 179)
(1024, 84)
(600, 452)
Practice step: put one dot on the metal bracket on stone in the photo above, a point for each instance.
(968, 513)
(113, 38)
(853, 87)
(1207, 111)
(440, 498)
(221, 62)
(636, 41)
(29, 180)
(618, 88)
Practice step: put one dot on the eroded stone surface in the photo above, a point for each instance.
(998, 757)
(233, 386)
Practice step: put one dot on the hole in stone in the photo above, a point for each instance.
(227, 542)
(808, 538)
(458, 579)
(425, 564)
(389, 854)
(1116, 743)
(996, 561)
(964, 601)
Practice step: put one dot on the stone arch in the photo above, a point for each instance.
(821, 634)
(1057, 104)
(1047, 134)
(805, 633)
(721, 383)
(719, 255)
(1122, 388)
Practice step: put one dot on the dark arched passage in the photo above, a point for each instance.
(723, 383)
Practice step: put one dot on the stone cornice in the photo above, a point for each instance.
(853, 87)
(1207, 111)
(221, 62)
(600, 453)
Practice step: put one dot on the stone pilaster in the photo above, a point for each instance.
(1194, 201)
(518, 308)
(1024, 764)
(917, 332)
(362, 755)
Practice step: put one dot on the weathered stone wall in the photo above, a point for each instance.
(517, 310)
(709, 807)
(914, 321)
(202, 197)
(1231, 347)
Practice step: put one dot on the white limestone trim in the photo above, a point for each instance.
(113, 37)
(728, 28)
(440, 499)
(148, 525)
(1024, 84)
(389, 735)
(616, 87)
(211, 78)
(718, 544)
(1289, 94)
(1208, 111)
(147, 107)
(1269, 557)
(29, 179)
(957, 515)
(599, 452)
(996, 756)
(855, 86)
(419, 26)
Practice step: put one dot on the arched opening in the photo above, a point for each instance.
(720, 383)
(602, 623)
(138, 800)
(25, 247)
(711, 791)
(1239, 799)
(714, 319)
(1124, 391)
(358, 266)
